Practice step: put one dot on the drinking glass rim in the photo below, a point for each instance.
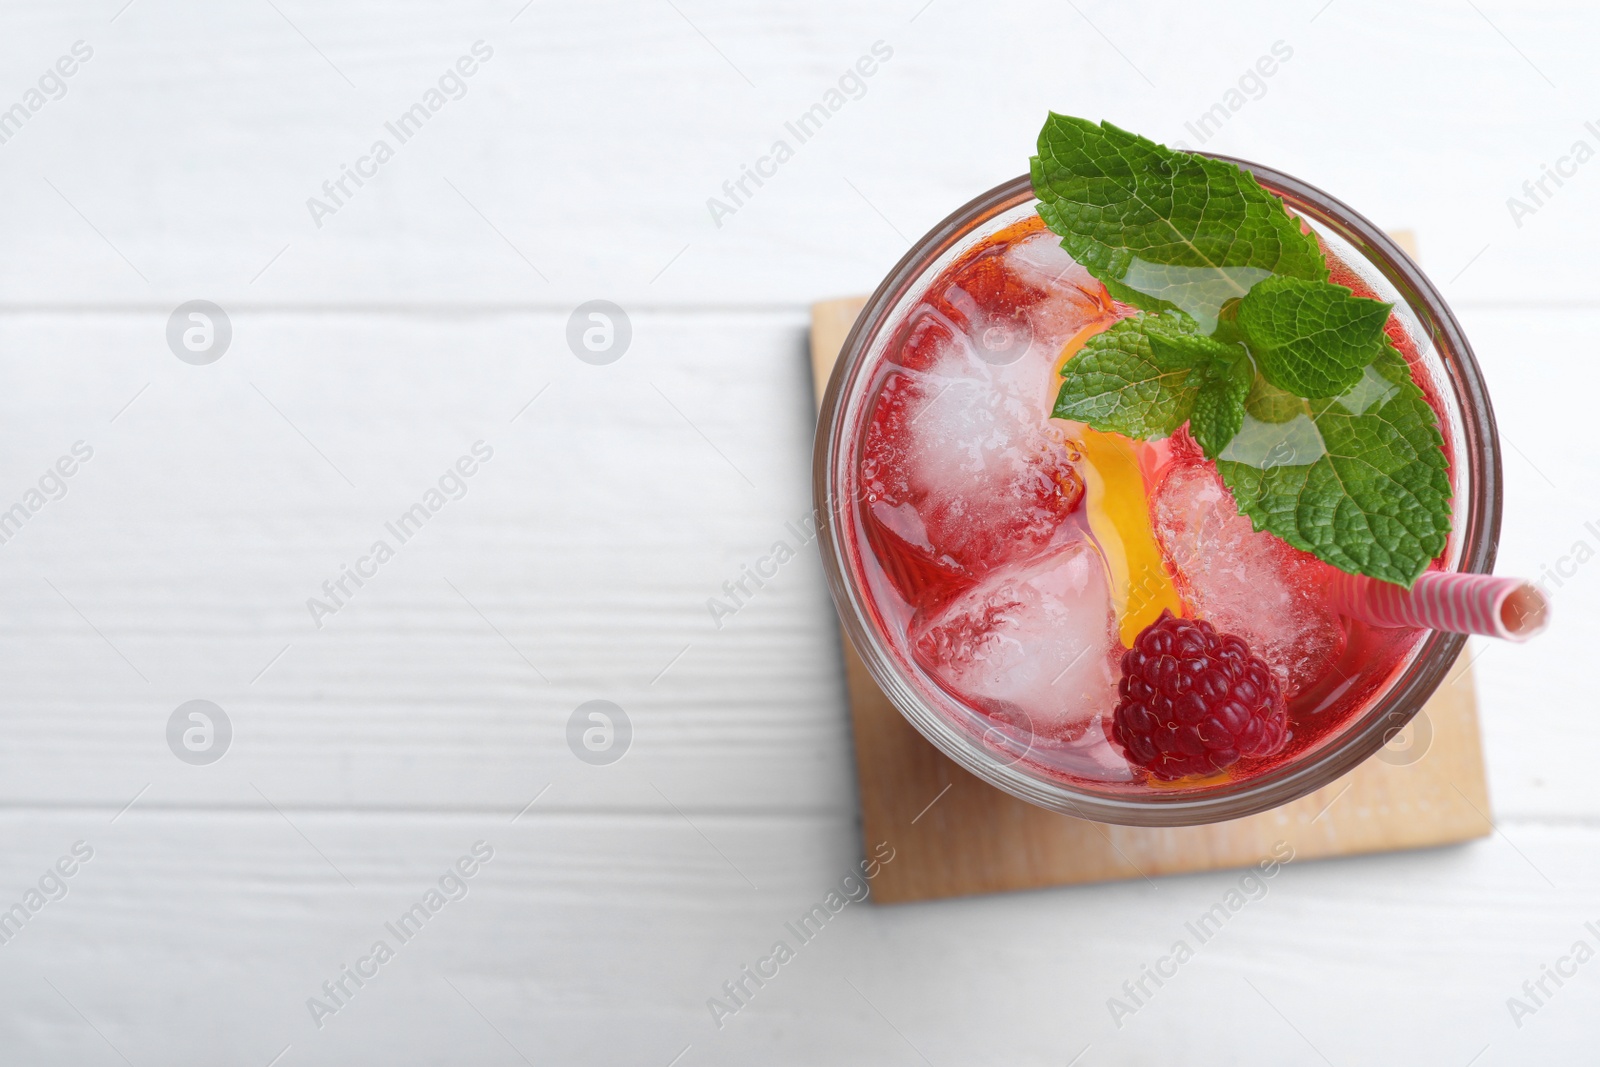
(1477, 526)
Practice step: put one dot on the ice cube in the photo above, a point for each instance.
(1245, 582)
(1031, 646)
(963, 470)
(960, 463)
(1040, 260)
(1076, 298)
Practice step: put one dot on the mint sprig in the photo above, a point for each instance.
(1285, 379)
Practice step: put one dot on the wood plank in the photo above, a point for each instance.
(198, 937)
(215, 184)
(963, 836)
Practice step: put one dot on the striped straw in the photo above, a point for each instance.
(1508, 608)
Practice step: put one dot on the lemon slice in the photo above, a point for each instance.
(1119, 518)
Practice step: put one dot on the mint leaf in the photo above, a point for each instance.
(1118, 384)
(1190, 350)
(1311, 338)
(1268, 403)
(1162, 228)
(1222, 378)
(1358, 480)
(1199, 292)
(1219, 411)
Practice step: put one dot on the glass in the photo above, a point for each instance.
(1468, 425)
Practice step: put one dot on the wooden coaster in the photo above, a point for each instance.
(955, 835)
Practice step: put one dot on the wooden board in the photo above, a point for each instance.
(956, 835)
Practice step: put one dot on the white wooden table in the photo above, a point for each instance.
(430, 711)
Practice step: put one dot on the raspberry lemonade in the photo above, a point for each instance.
(1100, 457)
(1020, 557)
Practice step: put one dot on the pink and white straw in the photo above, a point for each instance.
(1484, 604)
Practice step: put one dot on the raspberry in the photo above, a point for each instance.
(1193, 701)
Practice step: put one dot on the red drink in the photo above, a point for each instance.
(1009, 558)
